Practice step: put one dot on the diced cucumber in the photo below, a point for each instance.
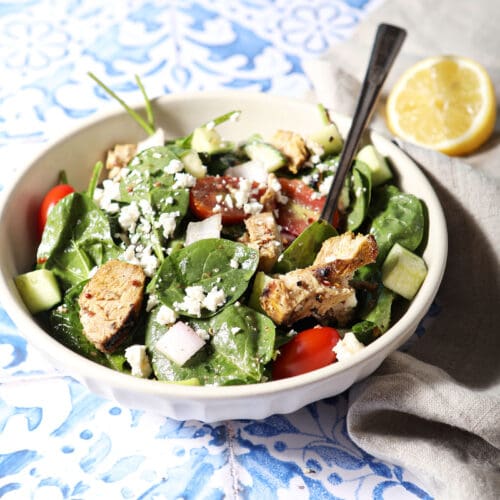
(193, 164)
(206, 140)
(271, 157)
(371, 157)
(39, 290)
(260, 281)
(328, 138)
(403, 271)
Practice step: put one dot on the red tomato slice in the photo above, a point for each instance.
(308, 350)
(51, 198)
(304, 207)
(208, 194)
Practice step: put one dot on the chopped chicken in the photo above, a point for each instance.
(321, 290)
(293, 146)
(119, 157)
(110, 304)
(263, 234)
(272, 195)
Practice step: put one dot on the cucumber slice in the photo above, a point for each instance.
(193, 164)
(271, 157)
(328, 138)
(377, 163)
(206, 140)
(39, 290)
(403, 271)
(260, 281)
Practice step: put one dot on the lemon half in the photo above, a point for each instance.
(446, 103)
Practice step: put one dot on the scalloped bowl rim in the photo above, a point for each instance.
(197, 396)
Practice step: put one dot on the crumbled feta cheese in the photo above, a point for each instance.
(242, 194)
(184, 180)
(254, 207)
(347, 347)
(168, 222)
(192, 301)
(148, 261)
(203, 334)
(105, 197)
(228, 201)
(325, 186)
(166, 316)
(146, 207)
(129, 255)
(138, 360)
(153, 301)
(214, 299)
(128, 217)
(175, 166)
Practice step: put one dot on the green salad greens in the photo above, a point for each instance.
(214, 227)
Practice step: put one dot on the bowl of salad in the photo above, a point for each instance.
(172, 257)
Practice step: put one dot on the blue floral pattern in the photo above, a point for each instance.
(74, 444)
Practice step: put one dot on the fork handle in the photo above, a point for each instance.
(386, 46)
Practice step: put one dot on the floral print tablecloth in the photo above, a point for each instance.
(57, 439)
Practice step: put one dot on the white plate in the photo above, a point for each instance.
(77, 151)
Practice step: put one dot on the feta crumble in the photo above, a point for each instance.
(347, 347)
(138, 360)
(166, 316)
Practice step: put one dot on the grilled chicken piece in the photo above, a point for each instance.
(119, 157)
(293, 146)
(110, 304)
(263, 234)
(321, 290)
(272, 195)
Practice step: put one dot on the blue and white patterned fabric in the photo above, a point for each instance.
(57, 439)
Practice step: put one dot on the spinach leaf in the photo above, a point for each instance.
(209, 263)
(361, 188)
(241, 344)
(396, 218)
(377, 319)
(302, 251)
(156, 193)
(77, 237)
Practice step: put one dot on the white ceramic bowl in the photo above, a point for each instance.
(78, 150)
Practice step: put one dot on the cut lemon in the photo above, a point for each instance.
(446, 103)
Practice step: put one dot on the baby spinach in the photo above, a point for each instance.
(209, 263)
(77, 238)
(397, 217)
(241, 344)
(361, 188)
(375, 319)
(155, 191)
(302, 251)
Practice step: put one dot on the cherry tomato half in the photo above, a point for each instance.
(207, 197)
(303, 207)
(308, 350)
(51, 198)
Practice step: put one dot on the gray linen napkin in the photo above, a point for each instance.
(435, 409)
